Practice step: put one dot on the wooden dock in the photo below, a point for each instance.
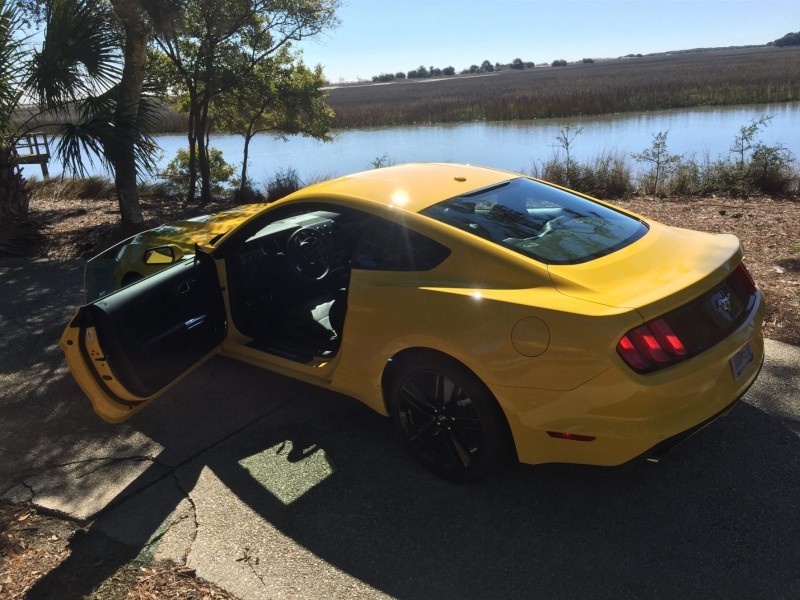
(33, 149)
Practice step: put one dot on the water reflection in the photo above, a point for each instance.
(513, 145)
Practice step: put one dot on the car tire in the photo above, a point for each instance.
(447, 418)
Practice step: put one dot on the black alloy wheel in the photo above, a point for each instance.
(449, 420)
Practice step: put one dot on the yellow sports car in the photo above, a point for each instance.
(489, 314)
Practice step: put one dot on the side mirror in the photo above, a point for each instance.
(163, 255)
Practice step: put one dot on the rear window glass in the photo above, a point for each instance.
(540, 221)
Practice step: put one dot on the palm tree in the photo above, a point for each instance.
(114, 118)
(13, 194)
(74, 80)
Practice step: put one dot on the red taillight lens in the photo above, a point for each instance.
(630, 355)
(652, 346)
(667, 338)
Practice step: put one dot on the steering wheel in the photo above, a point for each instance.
(308, 253)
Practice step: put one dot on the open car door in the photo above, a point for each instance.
(127, 348)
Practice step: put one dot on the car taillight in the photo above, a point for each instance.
(743, 276)
(651, 346)
(692, 328)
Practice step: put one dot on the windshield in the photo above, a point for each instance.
(540, 221)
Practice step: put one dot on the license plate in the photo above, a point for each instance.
(740, 360)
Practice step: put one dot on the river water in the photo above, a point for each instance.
(512, 145)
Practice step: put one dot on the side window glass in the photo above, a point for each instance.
(388, 246)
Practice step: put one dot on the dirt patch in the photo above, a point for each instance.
(75, 227)
(32, 545)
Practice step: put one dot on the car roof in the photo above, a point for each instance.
(413, 186)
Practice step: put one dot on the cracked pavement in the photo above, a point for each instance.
(272, 488)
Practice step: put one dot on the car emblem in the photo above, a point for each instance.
(724, 303)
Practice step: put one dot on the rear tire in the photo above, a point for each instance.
(448, 419)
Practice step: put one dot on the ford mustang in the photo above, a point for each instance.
(492, 316)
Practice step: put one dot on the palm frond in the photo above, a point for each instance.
(82, 142)
(80, 55)
(102, 133)
(12, 67)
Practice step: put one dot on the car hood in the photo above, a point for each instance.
(664, 269)
(198, 230)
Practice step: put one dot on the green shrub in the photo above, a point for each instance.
(725, 177)
(662, 164)
(686, 180)
(379, 162)
(176, 173)
(283, 183)
(608, 176)
(248, 193)
(771, 170)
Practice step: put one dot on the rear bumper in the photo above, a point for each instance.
(657, 452)
(632, 416)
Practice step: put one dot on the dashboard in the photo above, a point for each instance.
(272, 241)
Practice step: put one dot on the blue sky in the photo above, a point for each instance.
(398, 35)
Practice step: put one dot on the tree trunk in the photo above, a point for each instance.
(14, 194)
(243, 187)
(127, 113)
(192, 166)
(203, 162)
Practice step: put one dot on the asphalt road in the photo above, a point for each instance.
(272, 488)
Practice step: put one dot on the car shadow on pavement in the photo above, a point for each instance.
(718, 517)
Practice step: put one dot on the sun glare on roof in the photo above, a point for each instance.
(400, 198)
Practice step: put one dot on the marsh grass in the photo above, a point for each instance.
(751, 168)
(715, 78)
(609, 175)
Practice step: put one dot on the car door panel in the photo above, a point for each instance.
(130, 346)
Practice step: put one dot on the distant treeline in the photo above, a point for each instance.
(790, 39)
(486, 66)
(726, 77)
